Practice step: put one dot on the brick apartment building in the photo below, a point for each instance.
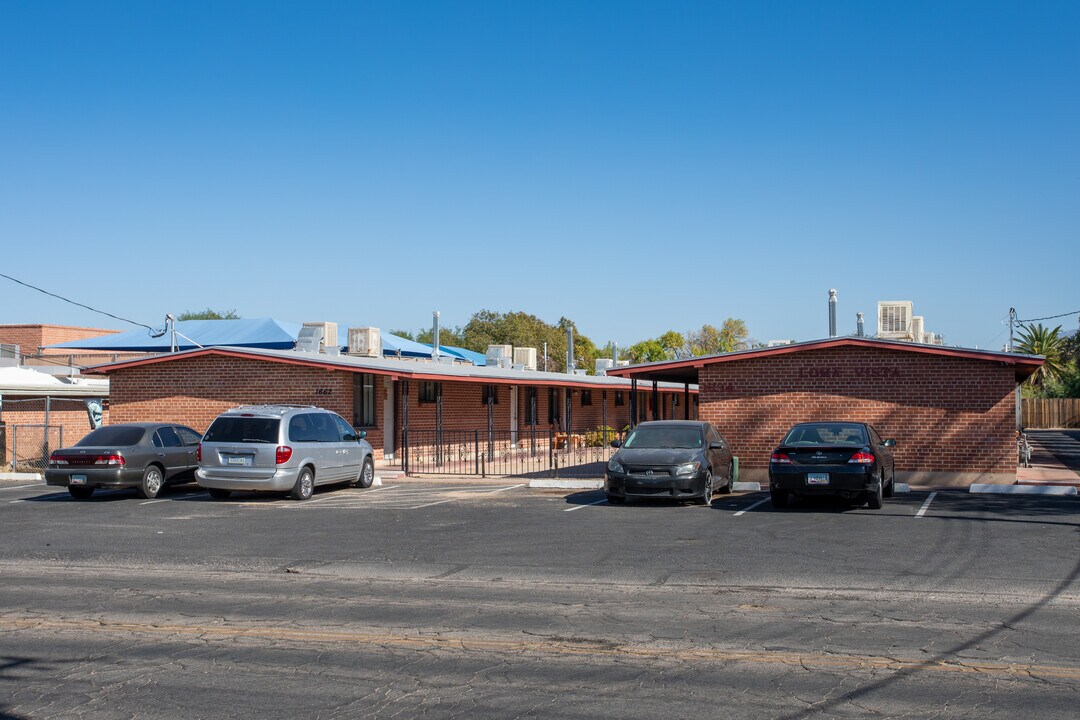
(383, 396)
(951, 411)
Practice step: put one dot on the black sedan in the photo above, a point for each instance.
(843, 459)
(145, 456)
(676, 459)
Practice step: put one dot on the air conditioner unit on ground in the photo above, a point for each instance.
(525, 356)
(365, 342)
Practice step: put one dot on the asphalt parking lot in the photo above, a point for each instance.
(498, 601)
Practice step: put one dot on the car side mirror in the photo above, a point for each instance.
(615, 443)
(716, 446)
(889, 443)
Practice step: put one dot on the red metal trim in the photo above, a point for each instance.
(629, 371)
(393, 374)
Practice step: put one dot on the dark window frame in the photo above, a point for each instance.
(360, 401)
(428, 392)
(620, 399)
(489, 391)
(586, 397)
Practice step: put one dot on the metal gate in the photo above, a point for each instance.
(523, 453)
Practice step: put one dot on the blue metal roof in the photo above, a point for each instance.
(247, 332)
(397, 346)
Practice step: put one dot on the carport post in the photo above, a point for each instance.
(438, 422)
(686, 401)
(603, 415)
(655, 400)
(405, 424)
(633, 402)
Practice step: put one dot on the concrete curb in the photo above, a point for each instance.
(901, 488)
(746, 487)
(567, 484)
(986, 488)
(21, 477)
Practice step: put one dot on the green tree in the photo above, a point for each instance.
(402, 334)
(1040, 340)
(521, 329)
(208, 314)
(710, 340)
(447, 336)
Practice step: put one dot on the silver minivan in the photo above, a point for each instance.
(282, 448)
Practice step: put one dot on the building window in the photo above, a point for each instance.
(553, 406)
(530, 407)
(428, 391)
(363, 400)
(620, 399)
(586, 397)
(490, 392)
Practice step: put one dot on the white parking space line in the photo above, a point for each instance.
(512, 487)
(578, 507)
(185, 496)
(336, 496)
(922, 510)
(472, 490)
(23, 487)
(748, 509)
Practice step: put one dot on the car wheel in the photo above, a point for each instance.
(80, 493)
(219, 494)
(779, 498)
(706, 493)
(873, 497)
(730, 485)
(305, 485)
(887, 490)
(151, 482)
(615, 500)
(366, 476)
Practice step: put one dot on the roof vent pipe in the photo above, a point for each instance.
(435, 335)
(570, 350)
(832, 313)
(615, 354)
(861, 330)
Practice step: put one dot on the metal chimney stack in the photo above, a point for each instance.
(832, 313)
(615, 354)
(435, 335)
(861, 332)
(570, 350)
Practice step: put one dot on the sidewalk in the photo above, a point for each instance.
(1049, 451)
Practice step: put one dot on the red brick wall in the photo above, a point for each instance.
(68, 423)
(946, 414)
(31, 338)
(195, 391)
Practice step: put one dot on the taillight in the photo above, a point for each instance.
(284, 452)
(862, 458)
(113, 459)
(198, 453)
(57, 459)
(780, 459)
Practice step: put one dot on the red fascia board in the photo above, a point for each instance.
(396, 375)
(825, 344)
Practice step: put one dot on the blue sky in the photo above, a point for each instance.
(636, 167)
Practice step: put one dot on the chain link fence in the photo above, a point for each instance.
(31, 428)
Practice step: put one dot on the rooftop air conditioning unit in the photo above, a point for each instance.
(498, 351)
(622, 363)
(310, 339)
(365, 342)
(917, 332)
(603, 365)
(894, 319)
(581, 371)
(329, 334)
(526, 357)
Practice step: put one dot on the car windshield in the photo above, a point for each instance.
(664, 437)
(826, 434)
(118, 435)
(243, 429)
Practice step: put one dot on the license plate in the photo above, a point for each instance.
(817, 478)
(78, 480)
(245, 461)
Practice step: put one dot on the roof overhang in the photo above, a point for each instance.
(686, 370)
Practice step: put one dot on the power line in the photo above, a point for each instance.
(1052, 317)
(61, 297)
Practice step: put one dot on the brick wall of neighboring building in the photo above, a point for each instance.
(24, 438)
(948, 415)
(31, 338)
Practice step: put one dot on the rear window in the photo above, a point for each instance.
(116, 435)
(826, 434)
(230, 428)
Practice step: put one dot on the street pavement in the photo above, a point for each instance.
(441, 600)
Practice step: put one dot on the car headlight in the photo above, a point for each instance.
(688, 468)
(615, 466)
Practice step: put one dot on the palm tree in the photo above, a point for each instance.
(1039, 340)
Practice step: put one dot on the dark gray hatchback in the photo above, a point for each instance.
(673, 459)
(145, 456)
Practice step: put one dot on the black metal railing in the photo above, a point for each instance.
(530, 452)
